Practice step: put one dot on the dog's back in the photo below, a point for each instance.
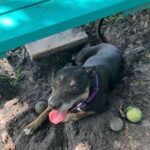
(106, 53)
(110, 58)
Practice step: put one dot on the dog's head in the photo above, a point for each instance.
(70, 85)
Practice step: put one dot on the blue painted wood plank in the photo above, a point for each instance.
(32, 23)
(7, 6)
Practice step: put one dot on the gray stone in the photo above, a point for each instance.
(56, 43)
(40, 106)
(116, 124)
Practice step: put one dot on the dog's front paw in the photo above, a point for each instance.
(29, 129)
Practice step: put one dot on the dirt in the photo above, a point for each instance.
(31, 82)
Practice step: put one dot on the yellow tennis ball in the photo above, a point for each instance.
(133, 114)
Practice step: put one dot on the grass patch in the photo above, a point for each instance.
(9, 86)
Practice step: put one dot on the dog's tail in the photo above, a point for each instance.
(99, 32)
(128, 58)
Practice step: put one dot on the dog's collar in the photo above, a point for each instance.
(82, 105)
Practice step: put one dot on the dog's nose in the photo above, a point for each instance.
(54, 103)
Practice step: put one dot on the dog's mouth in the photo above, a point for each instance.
(59, 115)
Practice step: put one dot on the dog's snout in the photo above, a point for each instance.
(54, 103)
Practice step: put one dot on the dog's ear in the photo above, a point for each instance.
(90, 71)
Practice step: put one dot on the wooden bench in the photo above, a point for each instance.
(25, 21)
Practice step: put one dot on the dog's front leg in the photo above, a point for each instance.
(77, 116)
(34, 125)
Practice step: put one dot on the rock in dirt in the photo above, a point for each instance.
(135, 55)
(116, 124)
(40, 106)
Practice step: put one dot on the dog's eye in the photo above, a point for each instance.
(75, 89)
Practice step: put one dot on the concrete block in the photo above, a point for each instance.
(56, 43)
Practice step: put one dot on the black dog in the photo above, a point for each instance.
(80, 91)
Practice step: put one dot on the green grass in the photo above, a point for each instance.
(19, 76)
(9, 86)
